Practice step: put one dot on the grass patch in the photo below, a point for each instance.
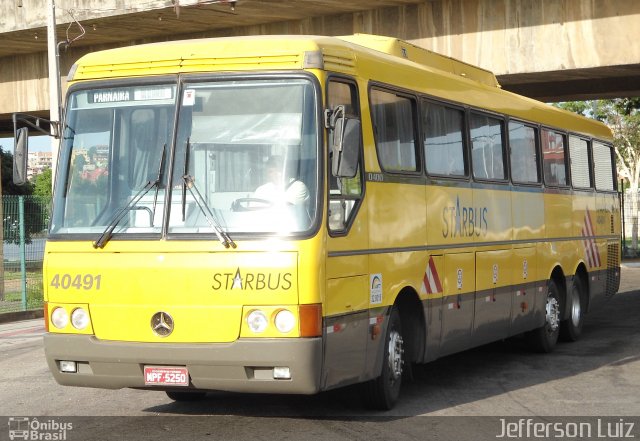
(34, 298)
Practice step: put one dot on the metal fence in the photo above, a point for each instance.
(24, 222)
(629, 220)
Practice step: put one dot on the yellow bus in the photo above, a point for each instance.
(292, 214)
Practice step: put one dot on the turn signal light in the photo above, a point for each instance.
(310, 320)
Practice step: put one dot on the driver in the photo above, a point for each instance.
(281, 188)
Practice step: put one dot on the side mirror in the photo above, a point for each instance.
(345, 147)
(20, 156)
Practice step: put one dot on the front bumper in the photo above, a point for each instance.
(245, 365)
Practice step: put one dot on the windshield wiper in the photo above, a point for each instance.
(189, 183)
(185, 173)
(111, 226)
(222, 235)
(158, 181)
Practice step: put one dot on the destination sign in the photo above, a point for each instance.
(130, 94)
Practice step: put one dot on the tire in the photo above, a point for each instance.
(571, 328)
(382, 393)
(544, 338)
(186, 396)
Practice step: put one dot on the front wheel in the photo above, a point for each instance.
(382, 393)
(571, 328)
(544, 338)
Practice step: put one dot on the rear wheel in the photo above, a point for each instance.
(571, 328)
(382, 393)
(544, 338)
(186, 395)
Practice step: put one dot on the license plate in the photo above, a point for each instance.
(166, 376)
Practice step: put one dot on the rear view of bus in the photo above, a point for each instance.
(181, 253)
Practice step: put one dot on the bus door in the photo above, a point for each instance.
(346, 321)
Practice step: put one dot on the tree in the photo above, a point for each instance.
(622, 115)
(42, 183)
(8, 187)
(35, 209)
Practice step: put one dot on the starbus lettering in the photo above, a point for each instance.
(254, 281)
(464, 221)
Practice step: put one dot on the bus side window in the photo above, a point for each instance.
(604, 164)
(443, 140)
(393, 117)
(345, 194)
(487, 147)
(579, 160)
(524, 159)
(553, 158)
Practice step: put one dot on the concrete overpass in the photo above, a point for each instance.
(552, 50)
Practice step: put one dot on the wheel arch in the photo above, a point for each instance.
(558, 277)
(582, 274)
(413, 323)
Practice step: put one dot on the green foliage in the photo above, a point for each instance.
(8, 187)
(622, 115)
(36, 208)
(34, 296)
(579, 107)
(36, 217)
(42, 184)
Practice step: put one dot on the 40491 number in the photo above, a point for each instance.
(78, 281)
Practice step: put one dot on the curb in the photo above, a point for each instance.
(21, 315)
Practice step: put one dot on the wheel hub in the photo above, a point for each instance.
(396, 350)
(576, 309)
(553, 313)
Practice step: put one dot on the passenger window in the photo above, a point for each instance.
(580, 170)
(345, 194)
(486, 146)
(443, 141)
(524, 156)
(603, 165)
(553, 154)
(393, 122)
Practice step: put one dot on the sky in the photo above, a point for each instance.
(36, 144)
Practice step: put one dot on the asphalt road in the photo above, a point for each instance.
(598, 376)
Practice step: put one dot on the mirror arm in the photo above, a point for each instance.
(34, 122)
(331, 116)
(327, 118)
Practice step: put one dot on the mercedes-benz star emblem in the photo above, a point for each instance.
(162, 324)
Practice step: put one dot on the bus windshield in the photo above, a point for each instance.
(244, 159)
(246, 151)
(113, 146)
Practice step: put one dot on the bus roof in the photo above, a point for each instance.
(424, 57)
(384, 59)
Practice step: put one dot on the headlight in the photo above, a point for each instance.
(257, 321)
(59, 318)
(285, 321)
(79, 318)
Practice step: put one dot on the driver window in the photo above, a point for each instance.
(345, 194)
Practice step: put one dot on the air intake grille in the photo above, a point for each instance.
(613, 269)
(613, 230)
